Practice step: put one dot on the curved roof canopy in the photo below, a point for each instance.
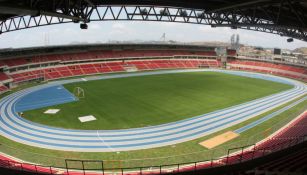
(283, 17)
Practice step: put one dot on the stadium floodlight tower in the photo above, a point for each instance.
(221, 53)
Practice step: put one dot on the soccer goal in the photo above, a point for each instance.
(79, 92)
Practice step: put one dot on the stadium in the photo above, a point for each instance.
(153, 108)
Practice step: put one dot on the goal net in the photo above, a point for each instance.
(79, 92)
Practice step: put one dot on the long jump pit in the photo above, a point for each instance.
(219, 139)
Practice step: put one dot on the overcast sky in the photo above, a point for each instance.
(132, 30)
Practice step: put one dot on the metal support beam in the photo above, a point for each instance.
(235, 19)
(29, 12)
(236, 6)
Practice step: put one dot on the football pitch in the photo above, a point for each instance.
(141, 101)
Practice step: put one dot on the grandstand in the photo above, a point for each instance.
(157, 107)
(31, 67)
(35, 64)
(267, 67)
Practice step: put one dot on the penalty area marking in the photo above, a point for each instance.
(52, 111)
(219, 139)
(87, 118)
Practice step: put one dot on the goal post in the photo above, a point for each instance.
(79, 92)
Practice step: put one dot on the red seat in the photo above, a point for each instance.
(3, 76)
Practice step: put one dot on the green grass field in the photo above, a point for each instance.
(155, 99)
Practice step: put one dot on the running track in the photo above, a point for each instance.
(20, 130)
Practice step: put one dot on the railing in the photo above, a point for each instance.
(245, 153)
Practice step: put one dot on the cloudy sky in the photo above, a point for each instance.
(127, 31)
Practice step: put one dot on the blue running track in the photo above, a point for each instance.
(49, 96)
(20, 130)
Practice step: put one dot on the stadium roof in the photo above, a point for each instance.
(283, 17)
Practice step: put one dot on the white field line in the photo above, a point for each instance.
(104, 142)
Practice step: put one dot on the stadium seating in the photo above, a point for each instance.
(94, 55)
(271, 65)
(2, 64)
(64, 71)
(293, 163)
(161, 60)
(118, 66)
(108, 67)
(3, 89)
(3, 76)
(15, 62)
(26, 76)
(276, 69)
